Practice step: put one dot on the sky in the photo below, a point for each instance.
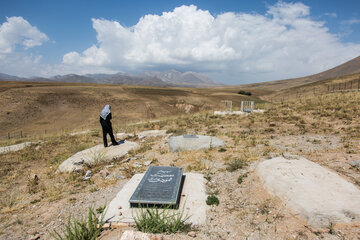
(232, 42)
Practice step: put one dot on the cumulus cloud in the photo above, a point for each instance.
(284, 42)
(15, 32)
(18, 31)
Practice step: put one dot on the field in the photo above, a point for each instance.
(324, 129)
(36, 108)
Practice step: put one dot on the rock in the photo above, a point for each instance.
(272, 124)
(36, 237)
(14, 148)
(313, 192)
(116, 225)
(106, 226)
(355, 163)
(88, 175)
(156, 237)
(104, 173)
(152, 133)
(132, 235)
(38, 147)
(156, 127)
(192, 234)
(193, 142)
(96, 154)
(136, 164)
(147, 163)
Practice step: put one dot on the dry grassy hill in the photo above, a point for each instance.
(348, 68)
(52, 107)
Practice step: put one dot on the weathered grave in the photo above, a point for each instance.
(96, 154)
(320, 196)
(160, 186)
(193, 142)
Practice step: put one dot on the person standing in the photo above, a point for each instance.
(105, 117)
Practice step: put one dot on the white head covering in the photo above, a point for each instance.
(105, 112)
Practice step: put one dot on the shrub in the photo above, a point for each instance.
(212, 200)
(82, 228)
(236, 163)
(241, 92)
(156, 220)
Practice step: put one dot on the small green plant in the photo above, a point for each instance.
(161, 220)
(241, 178)
(82, 228)
(236, 163)
(331, 228)
(212, 200)
(222, 150)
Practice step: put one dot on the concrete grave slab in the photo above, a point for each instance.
(14, 148)
(313, 192)
(96, 154)
(193, 142)
(193, 200)
(152, 133)
(223, 113)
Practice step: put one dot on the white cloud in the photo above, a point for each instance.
(285, 42)
(18, 31)
(351, 21)
(333, 15)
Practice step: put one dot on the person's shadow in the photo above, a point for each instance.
(119, 142)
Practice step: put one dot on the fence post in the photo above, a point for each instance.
(8, 135)
(21, 134)
(351, 85)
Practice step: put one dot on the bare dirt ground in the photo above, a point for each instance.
(317, 129)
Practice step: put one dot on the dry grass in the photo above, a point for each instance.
(248, 139)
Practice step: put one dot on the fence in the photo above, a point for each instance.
(315, 90)
(353, 85)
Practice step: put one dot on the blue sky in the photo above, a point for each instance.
(230, 41)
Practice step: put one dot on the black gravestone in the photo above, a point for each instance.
(160, 186)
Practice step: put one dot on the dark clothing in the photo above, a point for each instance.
(107, 129)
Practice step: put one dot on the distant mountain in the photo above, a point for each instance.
(170, 78)
(350, 67)
(4, 76)
(187, 79)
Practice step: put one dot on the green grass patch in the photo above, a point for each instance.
(84, 228)
(161, 220)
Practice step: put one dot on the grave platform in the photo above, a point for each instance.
(192, 200)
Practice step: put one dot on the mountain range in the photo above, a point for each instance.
(170, 78)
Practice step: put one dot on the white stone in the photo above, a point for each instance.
(152, 133)
(313, 192)
(122, 136)
(132, 235)
(223, 113)
(96, 154)
(193, 142)
(14, 148)
(192, 201)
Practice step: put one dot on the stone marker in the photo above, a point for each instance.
(152, 133)
(96, 154)
(14, 148)
(315, 193)
(159, 186)
(193, 142)
(192, 201)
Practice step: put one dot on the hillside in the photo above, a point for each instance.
(32, 207)
(56, 106)
(350, 67)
